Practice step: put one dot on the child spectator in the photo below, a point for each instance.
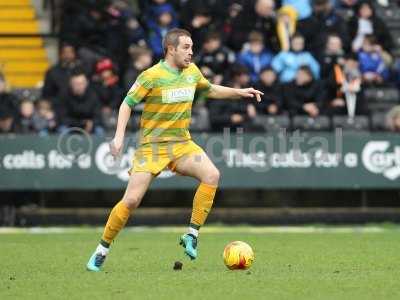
(372, 64)
(304, 96)
(271, 103)
(256, 57)
(26, 120)
(286, 64)
(157, 30)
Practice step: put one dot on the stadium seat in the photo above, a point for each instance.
(274, 123)
(381, 99)
(378, 121)
(319, 123)
(357, 123)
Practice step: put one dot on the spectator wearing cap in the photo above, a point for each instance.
(272, 100)
(286, 64)
(234, 114)
(158, 30)
(214, 59)
(59, 74)
(304, 95)
(109, 92)
(152, 10)
(259, 17)
(256, 57)
(8, 108)
(80, 105)
(365, 22)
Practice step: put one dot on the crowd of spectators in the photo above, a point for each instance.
(305, 55)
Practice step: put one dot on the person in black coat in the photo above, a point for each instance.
(365, 22)
(80, 105)
(233, 114)
(257, 16)
(272, 100)
(214, 60)
(304, 95)
(59, 74)
(323, 21)
(8, 108)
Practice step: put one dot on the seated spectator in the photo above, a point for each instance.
(393, 119)
(271, 103)
(152, 11)
(260, 17)
(233, 114)
(364, 23)
(323, 21)
(256, 57)
(109, 92)
(286, 64)
(26, 120)
(214, 60)
(372, 64)
(200, 25)
(157, 30)
(58, 75)
(8, 107)
(332, 55)
(7, 121)
(106, 84)
(288, 15)
(80, 106)
(304, 96)
(36, 117)
(140, 60)
(44, 118)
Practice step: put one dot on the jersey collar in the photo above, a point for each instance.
(169, 68)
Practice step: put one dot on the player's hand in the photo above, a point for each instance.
(116, 146)
(251, 93)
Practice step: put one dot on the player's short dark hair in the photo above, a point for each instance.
(172, 38)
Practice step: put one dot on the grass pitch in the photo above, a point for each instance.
(303, 263)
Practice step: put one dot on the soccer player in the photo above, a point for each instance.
(168, 90)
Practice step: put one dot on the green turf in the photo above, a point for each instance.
(324, 265)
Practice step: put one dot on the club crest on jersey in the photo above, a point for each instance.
(185, 94)
(190, 79)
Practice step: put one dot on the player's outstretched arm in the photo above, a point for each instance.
(123, 117)
(223, 92)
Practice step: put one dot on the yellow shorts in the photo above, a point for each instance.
(155, 157)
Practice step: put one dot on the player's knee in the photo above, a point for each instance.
(131, 201)
(212, 177)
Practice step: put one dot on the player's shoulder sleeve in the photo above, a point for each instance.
(140, 89)
(202, 83)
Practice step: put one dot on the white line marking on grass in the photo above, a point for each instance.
(209, 229)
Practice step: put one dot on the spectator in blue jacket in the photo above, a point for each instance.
(303, 7)
(372, 64)
(152, 12)
(157, 31)
(257, 57)
(287, 63)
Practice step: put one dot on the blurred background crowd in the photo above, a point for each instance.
(321, 64)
